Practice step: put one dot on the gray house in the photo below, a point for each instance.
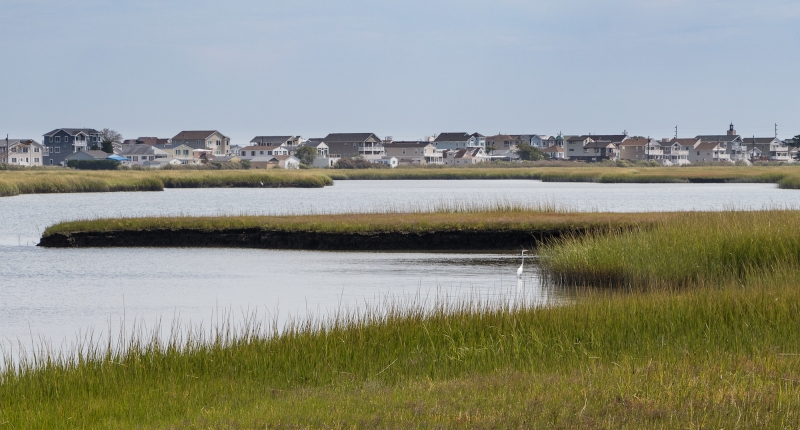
(460, 140)
(366, 145)
(62, 142)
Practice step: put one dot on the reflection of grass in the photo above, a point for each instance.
(70, 181)
(720, 355)
(693, 247)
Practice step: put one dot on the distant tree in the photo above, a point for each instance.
(528, 152)
(306, 154)
(490, 148)
(796, 140)
(108, 138)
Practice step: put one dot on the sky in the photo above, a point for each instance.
(405, 69)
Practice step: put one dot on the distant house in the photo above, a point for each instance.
(23, 152)
(147, 141)
(769, 149)
(275, 162)
(640, 149)
(414, 152)
(138, 154)
(88, 155)
(61, 142)
(711, 152)
(183, 153)
(504, 142)
(276, 141)
(731, 142)
(251, 152)
(366, 145)
(544, 141)
(210, 140)
(386, 160)
(673, 153)
(464, 156)
(459, 140)
(554, 152)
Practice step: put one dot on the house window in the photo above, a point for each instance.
(35, 160)
(218, 143)
(57, 150)
(51, 162)
(13, 160)
(135, 158)
(35, 149)
(58, 138)
(698, 152)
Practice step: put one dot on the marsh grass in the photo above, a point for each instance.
(721, 353)
(680, 250)
(456, 215)
(68, 181)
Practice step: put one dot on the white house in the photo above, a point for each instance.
(731, 142)
(711, 152)
(414, 152)
(386, 160)
(23, 152)
(275, 162)
(183, 153)
(252, 152)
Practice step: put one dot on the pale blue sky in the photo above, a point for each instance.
(405, 69)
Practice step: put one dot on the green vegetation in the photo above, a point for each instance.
(69, 181)
(680, 250)
(93, 164)
(47, 180)
(436, 218)
(721, 355)
(703, 335)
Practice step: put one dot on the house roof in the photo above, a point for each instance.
(96, 154)
(476, 135)
(614, 138)
(757, 140)
(349, 137)
(600, 144)
(406, 144)
(278, 140)
(260, 148)
(685, 141)
(196, 134)
(553, 149)
(283, 157)
(452, 137)
(501, 137)
(171, 146)
(716, 137)
(707, 146)
(73, 131)
(141, 150)
(635, 141)
(579, 138)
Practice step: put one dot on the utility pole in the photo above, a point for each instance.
(776, 130)
(676, 132)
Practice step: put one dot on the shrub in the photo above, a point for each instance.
(93, 164)
(356, 163)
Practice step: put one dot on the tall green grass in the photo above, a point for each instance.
(693, 247)
(722, 353)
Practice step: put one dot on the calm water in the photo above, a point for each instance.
(52, 294)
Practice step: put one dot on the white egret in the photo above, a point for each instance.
(519, 270)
